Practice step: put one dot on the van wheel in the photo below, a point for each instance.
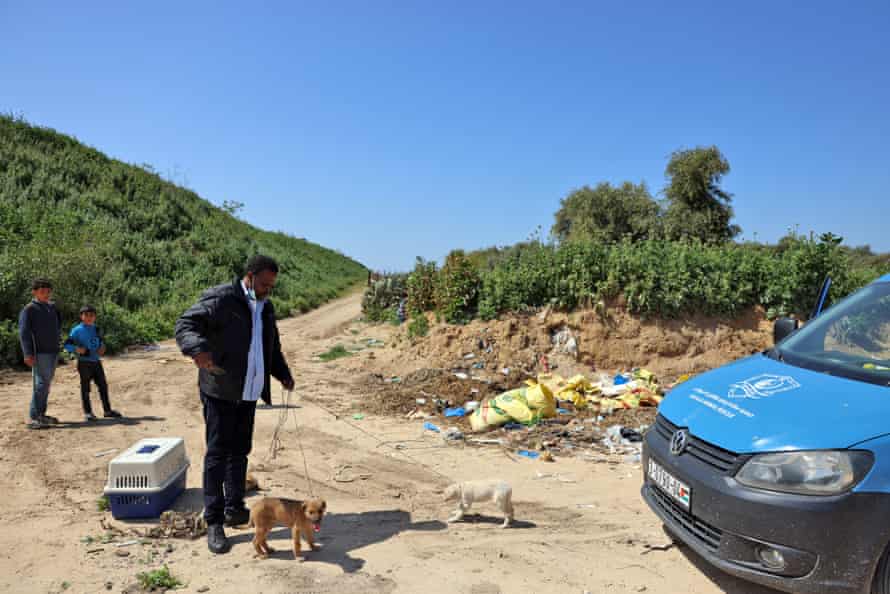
(881, 582)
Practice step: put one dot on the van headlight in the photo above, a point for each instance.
(806, 473)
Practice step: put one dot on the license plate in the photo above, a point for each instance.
(668, 483)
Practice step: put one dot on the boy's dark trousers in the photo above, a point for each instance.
(92, 371)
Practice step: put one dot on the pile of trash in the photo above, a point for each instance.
(608, 394)
(551, 394)
(553, 416)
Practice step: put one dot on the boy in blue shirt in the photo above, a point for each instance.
(86, 342)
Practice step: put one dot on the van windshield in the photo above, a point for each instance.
(852, 339)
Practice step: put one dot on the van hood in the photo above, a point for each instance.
(757, 404)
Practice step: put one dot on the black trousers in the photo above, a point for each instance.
(229, 437)
(91, 371)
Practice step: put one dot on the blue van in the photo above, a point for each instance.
(776, 467)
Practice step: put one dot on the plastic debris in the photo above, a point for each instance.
(461, 375)
(453, 434)
(631, 434)
(471, 405)
(528, 454)
(430, 427)
(358, 416)
(455, 412)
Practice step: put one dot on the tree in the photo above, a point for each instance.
(607, 213)
(697, 207)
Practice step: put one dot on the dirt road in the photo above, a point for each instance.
(581, 527)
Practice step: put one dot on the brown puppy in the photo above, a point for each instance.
(300, 516)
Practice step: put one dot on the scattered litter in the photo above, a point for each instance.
(585, 505)
(104, 453)
(567, 478)
(479, 365)
(486, 441)
(528, 454)
(421, 401)
(564, 341)
(430, 427)
(461, 375)
(455, 412)
(471, 405)
(91, 551)
(505, 371)
(349, 478)
(631, 435)
(563, 411)
(127, 543)
(470, 356)
(453, 434)
(358, 417)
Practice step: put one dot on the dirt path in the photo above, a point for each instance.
(583, 528)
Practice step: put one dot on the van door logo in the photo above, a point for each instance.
(762, 386)
(678, 442)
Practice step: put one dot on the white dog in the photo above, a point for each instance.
(470, 492)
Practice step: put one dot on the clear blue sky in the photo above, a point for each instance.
(388, 130)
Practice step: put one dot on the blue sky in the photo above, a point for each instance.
(389, 130)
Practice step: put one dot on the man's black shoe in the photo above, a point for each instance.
(216, 539)
(237, 517)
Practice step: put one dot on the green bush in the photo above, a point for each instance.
(380, 301)
(419, 326)
(457, 289)
(668, 279)
(422, 287)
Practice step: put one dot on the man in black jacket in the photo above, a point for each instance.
(232, 336)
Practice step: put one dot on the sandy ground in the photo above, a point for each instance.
(584, 528)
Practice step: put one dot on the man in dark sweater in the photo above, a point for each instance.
(231, 335)
(40, 330)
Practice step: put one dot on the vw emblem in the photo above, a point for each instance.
(678, 442)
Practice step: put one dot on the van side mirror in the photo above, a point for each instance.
(783, 327)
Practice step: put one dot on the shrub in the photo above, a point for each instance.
(457, 289)
(419, 326)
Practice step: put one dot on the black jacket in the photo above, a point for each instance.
(221, 323)
(40, 329)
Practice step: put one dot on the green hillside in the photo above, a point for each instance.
(138, 247)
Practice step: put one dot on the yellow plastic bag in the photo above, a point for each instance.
(539, 398)
(488, 415)
(526, 405)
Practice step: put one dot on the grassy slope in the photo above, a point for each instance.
(138, 247)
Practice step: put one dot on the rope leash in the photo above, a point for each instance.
(275, 443)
